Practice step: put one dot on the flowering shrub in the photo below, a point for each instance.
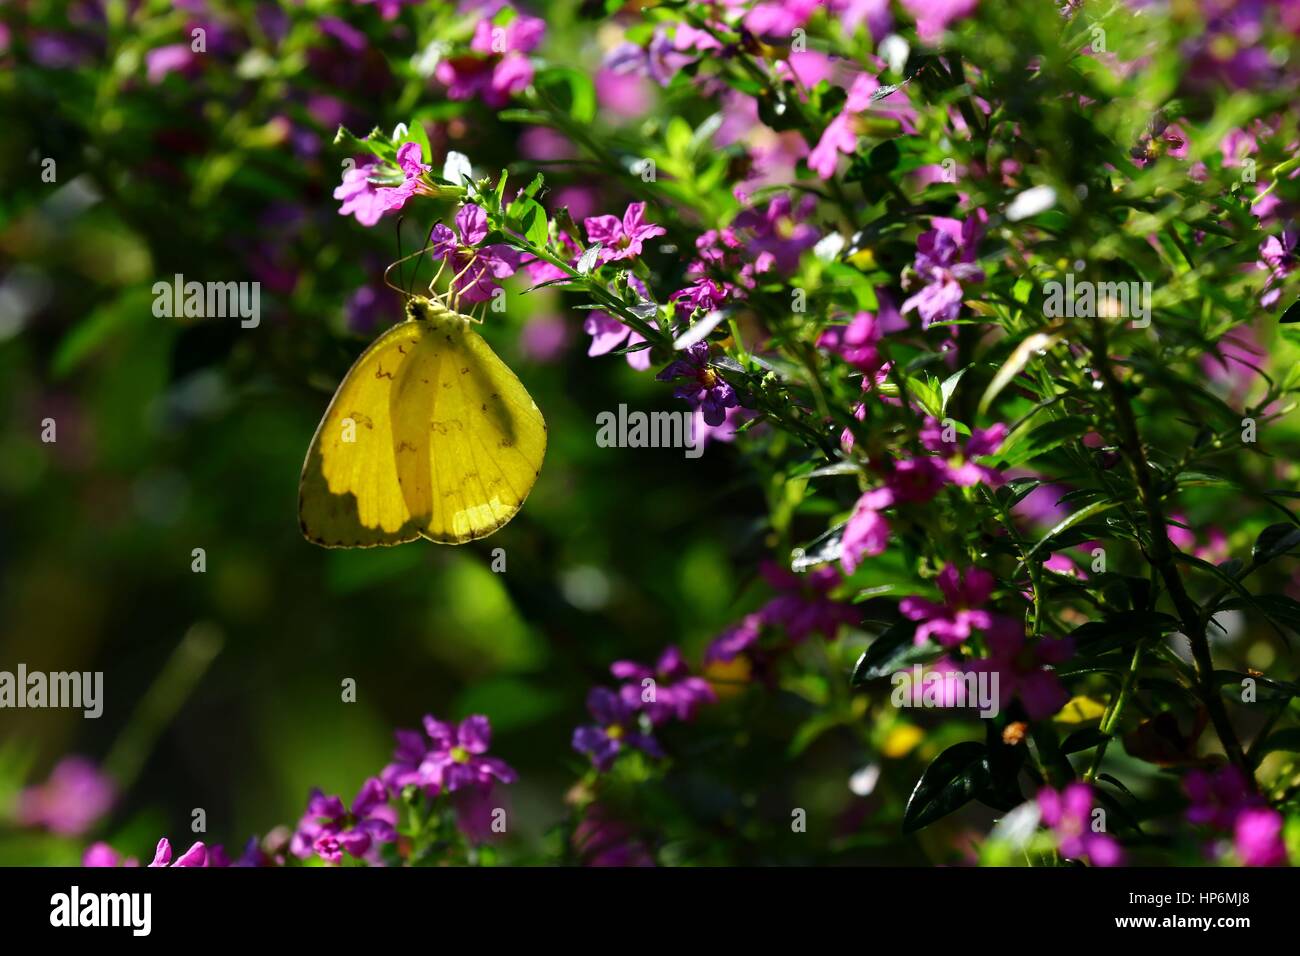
(990, 304)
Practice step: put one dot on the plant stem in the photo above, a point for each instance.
(1161, 554)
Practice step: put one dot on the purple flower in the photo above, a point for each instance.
(195, 856)
(945, 258)
(622, 239)
(388, 9)
(867, 532)
(1217, 799)
(171, 58)
(608, 333)
(328, 828)
(704, 294)
(367, 199)
(1069, 814)
(1022, 669)
(855, 342)
(457, 760)
(616, 727)
(959, 464)
(803, 605)
(498, 65)
(781, 230)
(451, 758)
(735, 640)
(705, 388)
(673, 693)
(72, 801)
(476, 271)
(1278, 255)
(1257, 837)
(600, 840)
(933, 16)
(840, 135)
(962, 612)
(103, 855)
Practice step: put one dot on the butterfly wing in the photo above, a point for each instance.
(486, 440)
(350, 495)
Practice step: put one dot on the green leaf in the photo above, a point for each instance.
(1081, 515)
(1015, 363)
(1287, 741)
(1275, 541)
(1030, 441)
(951, 781)
(886, 654)
(575, 89)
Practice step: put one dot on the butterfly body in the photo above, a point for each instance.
(430, 435)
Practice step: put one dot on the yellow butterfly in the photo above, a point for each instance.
(430, 435)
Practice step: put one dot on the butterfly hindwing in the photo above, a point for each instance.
(349, 496)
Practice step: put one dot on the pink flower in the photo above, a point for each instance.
(608, 333)
(1069, 814)
(840, 136)
(959, 464)
(195, 856)
(933, 16)
(622, 239)
(498, 65)
(475, 270)
(945, 258)
(855, 342)
(962, 612)
(867, 531)
(368, 200)
(72, 801)
(1257, 837)
(1022, 670)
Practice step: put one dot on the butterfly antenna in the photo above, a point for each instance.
(394, 265)
(416, 274)
(400, 220)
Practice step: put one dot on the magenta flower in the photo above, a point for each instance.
(781, 230)
(72, 801)
(475, 270)
(497, 66)
(102, 855)
(856, 342)
(1216, 799)
(1160, 139)
(452, 758)
(171, 58)
(457, 760)
(1257, 837)
(840, 135)
(867, 532)
(676, 693)
(608, 333)
(622, 239)
(328, 828)
(616, 727)
(1022, 669)
(962, 612)
(958, 464)
(600, 840)
(388, 9)
(735, 640)
(367, 199)
(945, 258)
(1278, 255)
(705, 388)
(933, 16)
(1069, 814)
(803, 605)
(197, 855)
(704, 294)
